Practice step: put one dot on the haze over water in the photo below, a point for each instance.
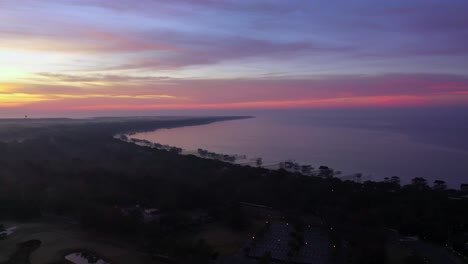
(378, 144)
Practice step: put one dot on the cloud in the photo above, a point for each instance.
(334, 91)
(205, 50)
(158, 35)
(99, 78)
(164, 54)
(82, 39)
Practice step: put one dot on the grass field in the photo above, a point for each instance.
(396, 254)
(227, 241)
(59, 239)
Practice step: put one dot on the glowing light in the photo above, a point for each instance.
(17, 99)
(10, 73)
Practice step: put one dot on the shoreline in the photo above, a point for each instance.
(237, 159)
(25, 129)
(127, 137)
(230, 139)
(193, 121)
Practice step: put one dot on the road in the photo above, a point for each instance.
(435, 254)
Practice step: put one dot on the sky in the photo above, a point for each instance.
(68, 56)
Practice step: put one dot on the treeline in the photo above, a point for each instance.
(89, 175)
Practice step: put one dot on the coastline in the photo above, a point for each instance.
(375, 154)
(127, 137)
(25, 129)
(182, 122)
(239, 159)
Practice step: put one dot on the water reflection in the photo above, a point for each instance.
(375, 152)
(84, 258)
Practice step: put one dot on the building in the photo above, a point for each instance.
(260, 211)
(464, 187)
(286, 245)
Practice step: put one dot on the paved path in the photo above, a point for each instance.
(435, 254)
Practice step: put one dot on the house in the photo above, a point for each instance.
(147, 214)
(260, 211)
(285, 244)
(199, 217)
(464, 187)
(150, 215)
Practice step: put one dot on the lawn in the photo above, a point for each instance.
(396, 253)
(59, 239)
(225, 240)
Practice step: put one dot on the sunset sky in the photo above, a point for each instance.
(146, 55)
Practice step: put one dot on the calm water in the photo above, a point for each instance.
(431, 145)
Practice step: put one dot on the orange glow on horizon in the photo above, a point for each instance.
(19, 99)
(351, 102)
(62, 92)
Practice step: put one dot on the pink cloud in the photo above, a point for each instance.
(394, 90)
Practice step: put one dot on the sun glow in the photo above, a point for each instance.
(9, 98)
(89, 55)
(10, 74)
(18, 99)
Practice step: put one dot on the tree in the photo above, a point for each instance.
(266, 258)
(2, 229)
(246, 250)
(415, 260)
(395, 180)
(90, 257)
(325, 172)
(439, 185)
(419, 182)
(236, 218)
(259, 162)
